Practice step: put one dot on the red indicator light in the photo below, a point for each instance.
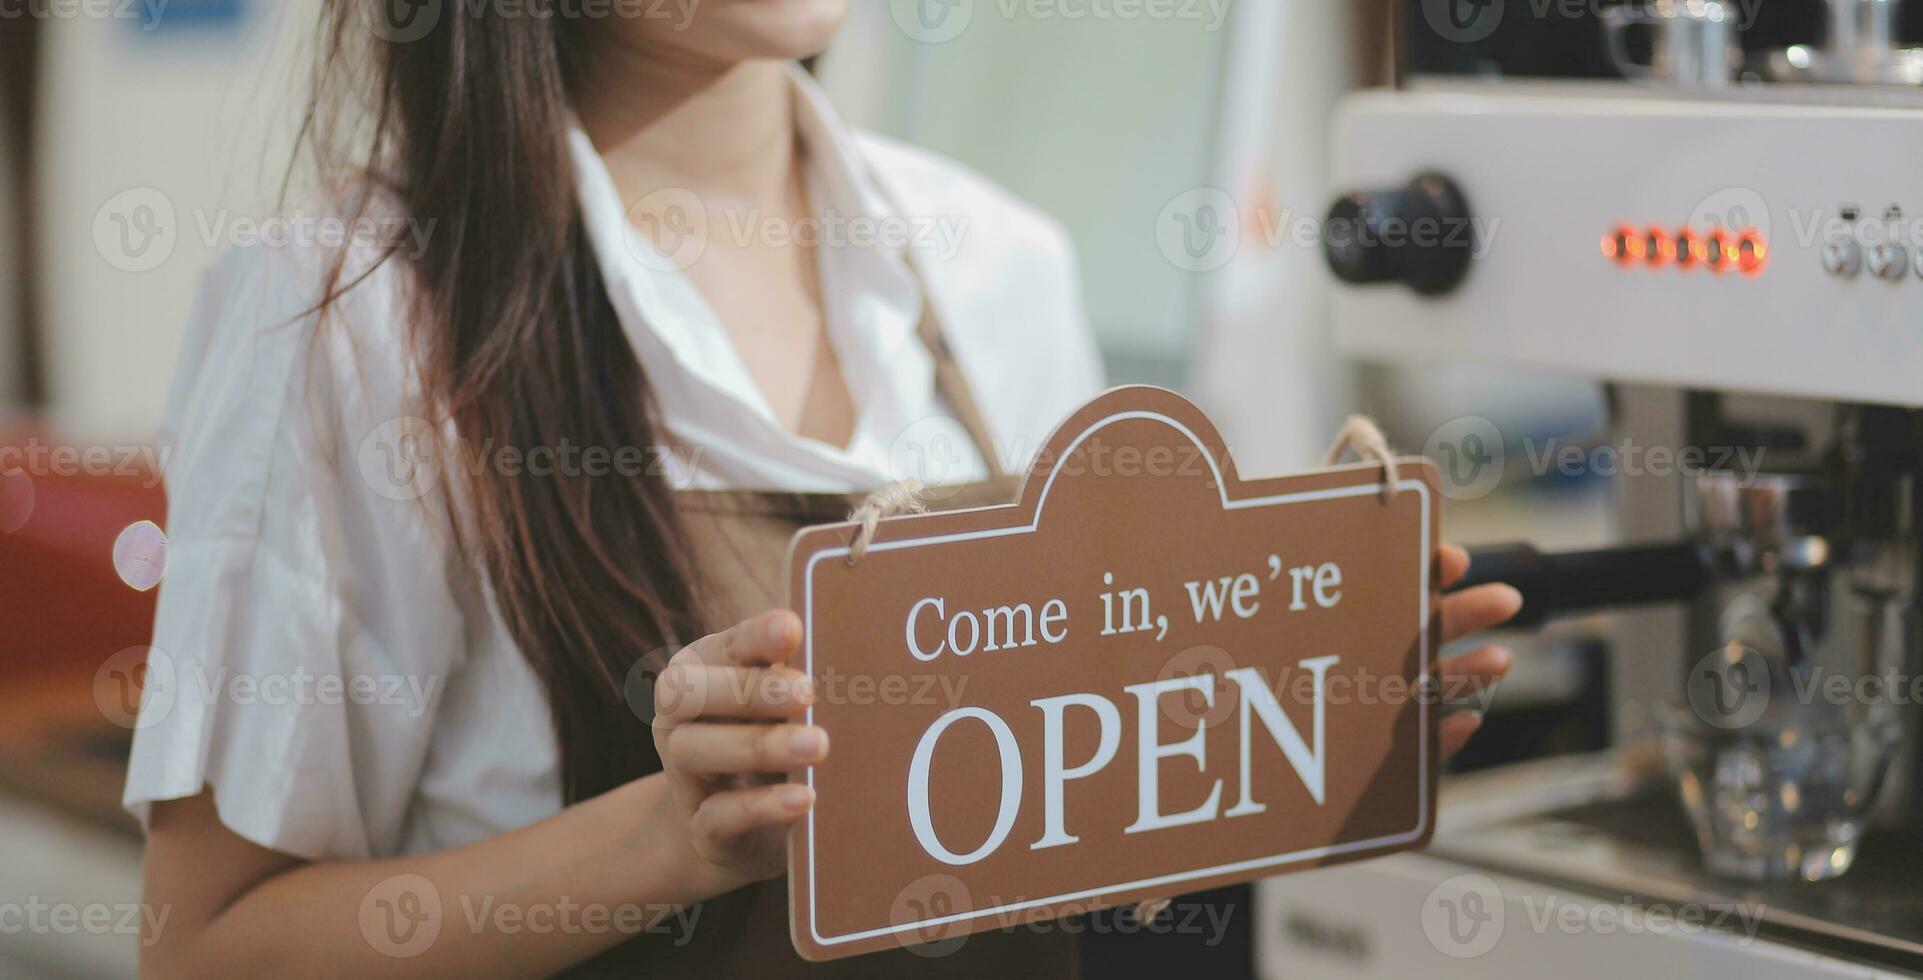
(1690, 250)
(1751, 252)
(1658, 248)
(1716, 249)
(1720, 251)
(1623, 245)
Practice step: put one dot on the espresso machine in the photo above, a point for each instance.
(1719, 225)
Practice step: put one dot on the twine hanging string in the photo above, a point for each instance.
(892, 500)
(1360, 433)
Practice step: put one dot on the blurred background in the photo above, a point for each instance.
(139, 141)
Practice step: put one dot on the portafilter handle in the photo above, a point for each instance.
(1584, 581)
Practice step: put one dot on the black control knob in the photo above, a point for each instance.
(1420, 235)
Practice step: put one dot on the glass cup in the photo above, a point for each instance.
(1784, 797)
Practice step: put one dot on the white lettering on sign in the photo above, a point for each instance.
(1259, 701)
(1254, 701)
(923, 822)
(1148, 702)
(1003, 627)
(1054, 774)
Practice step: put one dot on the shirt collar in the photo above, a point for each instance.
(870, 294)
(839, 174)
(835, 152)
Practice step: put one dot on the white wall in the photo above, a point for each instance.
(163, 129)
(1267, 371)
(1100, 122)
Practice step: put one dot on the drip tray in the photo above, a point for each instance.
(1613, 830)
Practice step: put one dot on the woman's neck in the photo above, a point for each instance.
(667, 120)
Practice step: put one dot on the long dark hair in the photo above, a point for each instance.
(517, 345)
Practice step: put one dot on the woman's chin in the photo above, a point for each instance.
(750, 29)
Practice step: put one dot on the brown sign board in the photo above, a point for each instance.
(1146, 677)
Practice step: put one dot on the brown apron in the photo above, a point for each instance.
(740, 540)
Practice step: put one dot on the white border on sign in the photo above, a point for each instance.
(1422, 704)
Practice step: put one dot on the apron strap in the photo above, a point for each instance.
(949, 379)
(953, 384)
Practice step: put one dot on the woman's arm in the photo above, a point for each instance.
(708, 824)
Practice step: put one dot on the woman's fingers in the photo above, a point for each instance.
(1469, 677)
(735, 813)
(1454, 564)
(721, 750)
(691, 690)
(1477, 609)
(1455, 730)
(764, 641)
(1474, 673)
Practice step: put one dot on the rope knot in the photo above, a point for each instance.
(1361, 434)
(890, 501)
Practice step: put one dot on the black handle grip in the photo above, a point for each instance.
(1580, 581)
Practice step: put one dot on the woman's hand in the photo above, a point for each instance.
(724, 727)
(1466, 612)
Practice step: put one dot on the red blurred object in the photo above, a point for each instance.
(1690, 250)
(1721, 250)
(63, 605)
(1752, 252)
(1659, 249)
(1623, 245)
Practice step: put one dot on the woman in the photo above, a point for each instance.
(358, 493)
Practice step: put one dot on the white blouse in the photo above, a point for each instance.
(324, 660)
